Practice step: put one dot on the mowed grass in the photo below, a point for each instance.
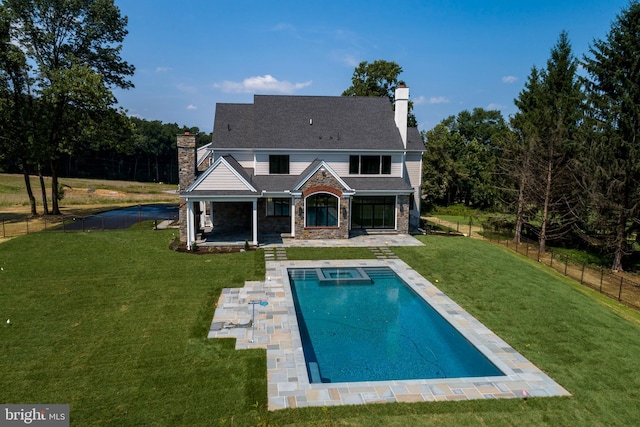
(115, 324)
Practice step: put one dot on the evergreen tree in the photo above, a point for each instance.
(613, 84)
(549, 124)
(519, 154)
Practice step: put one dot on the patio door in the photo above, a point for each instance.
(373, 212)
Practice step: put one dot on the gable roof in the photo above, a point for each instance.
(312, 169)
(224, 174)
(307, 123)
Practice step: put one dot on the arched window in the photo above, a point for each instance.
(322, 210)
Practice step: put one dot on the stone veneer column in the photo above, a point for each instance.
(403, 214)
(186, 175)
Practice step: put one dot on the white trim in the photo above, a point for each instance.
(211, 168)
(321, 164)
(191, 232)
(359, 193)
(204, 198)
(304, 212)
(396, 211)
(255, 223)
(320, 152)
(293, 217)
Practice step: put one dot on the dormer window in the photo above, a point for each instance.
(279, 164)
(370, 165)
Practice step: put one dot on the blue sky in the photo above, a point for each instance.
(455, 55)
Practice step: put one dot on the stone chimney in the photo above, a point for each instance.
(402, 110)
(186, 175)
(186, 161)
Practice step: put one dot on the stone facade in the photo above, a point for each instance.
(272, 224)
(322, 182)
(186, 175)
(402, 214)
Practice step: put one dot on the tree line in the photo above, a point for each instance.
(566, 165)
(59, 62)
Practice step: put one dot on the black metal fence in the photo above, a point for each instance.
(615, 285)
(111, 220)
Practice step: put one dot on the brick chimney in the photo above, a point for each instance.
(402, 110)
(186, 174)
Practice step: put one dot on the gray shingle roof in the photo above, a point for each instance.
(233, 126)
(414, 140)
(308, 122)
(378, 183)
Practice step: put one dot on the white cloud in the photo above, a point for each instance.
(266, 83)
(284, 26)
(509, 79)
(162, 69)
(420, 100)
(433, 100)
(186, 88)
(494, 106)
(350, 61)
(191, 107)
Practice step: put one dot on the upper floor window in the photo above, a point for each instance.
(370, 165)
(279, 164)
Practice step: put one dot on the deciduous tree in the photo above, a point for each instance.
(379, 78)
(16, 124)
(74, 49)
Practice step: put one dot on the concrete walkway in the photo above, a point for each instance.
(366, 240)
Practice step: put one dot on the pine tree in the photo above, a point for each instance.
(549, 120)
(613, 85)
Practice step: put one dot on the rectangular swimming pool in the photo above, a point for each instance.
(366, 324)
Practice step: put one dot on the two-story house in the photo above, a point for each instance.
(306, 167)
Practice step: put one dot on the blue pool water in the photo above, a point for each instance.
(366, 324)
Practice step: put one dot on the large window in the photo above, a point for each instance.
(279, 164)
(322, 211)
(278, 207)
(373, 212)
(370, 165)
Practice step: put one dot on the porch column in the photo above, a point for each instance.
(255, 222)
(292, 212)
(191, 232)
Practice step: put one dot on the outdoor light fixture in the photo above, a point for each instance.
(300, 211)
(344, 212)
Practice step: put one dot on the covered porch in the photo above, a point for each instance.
(221, 221)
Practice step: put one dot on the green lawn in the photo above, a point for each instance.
(115, 324)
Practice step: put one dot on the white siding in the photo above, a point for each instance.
(222, 178)
(245, 158)
(414, 172)
(339, 162)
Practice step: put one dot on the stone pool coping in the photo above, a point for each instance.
(276, 330)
